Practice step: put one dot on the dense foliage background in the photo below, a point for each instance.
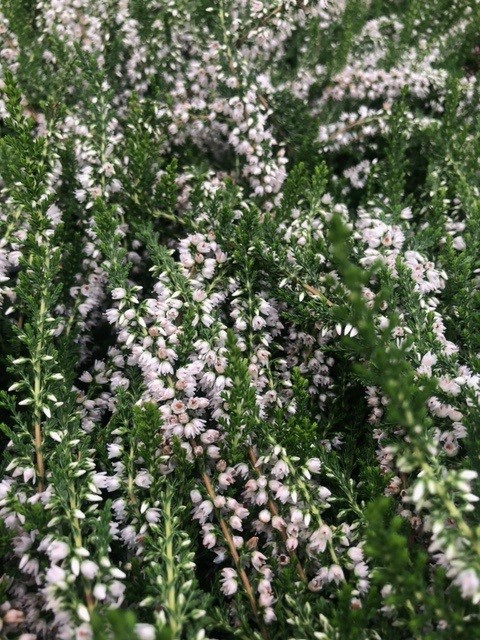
(239, 319)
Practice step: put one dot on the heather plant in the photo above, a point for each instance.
(239, 320)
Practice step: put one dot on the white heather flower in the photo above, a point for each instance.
(100, 480)
(118, 293)
(226, 478)
(269, 615)
(145, 631)
(112, 483)
(100, 591)
(209, 537)
(324, 493)
(361, 570)
(449, 386)
(116, 588)
(84, 632)
(264, 516)
(355, 554)
(319, 539)
(296, 516)
(58, 550)
(202, 512)
(88, 569)
(282, 494)
(238, 542)
(459, 243)
(256, 6)
(258, 323)
(54, 214)
(143, 479)
(291, 544)
(235, 523)
(114, 450)
(229, 581)
(219, 501)
(14, 617)
(266, 599)
(258, 560)
(335, 574)
(314, 465)
(152, 515)
(469, 584)
(279, 469)
(315, 584)
(451, 447)
(213, 452)
(55, 574)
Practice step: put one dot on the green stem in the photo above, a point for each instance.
(175, 628)
(37, 389)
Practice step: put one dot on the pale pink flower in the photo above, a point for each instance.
(229, 581)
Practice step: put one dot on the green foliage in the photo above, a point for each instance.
(239, 320)
(117, 624)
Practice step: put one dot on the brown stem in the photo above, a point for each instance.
(352, 125)
(274, 511)
(89, 599)
(263, 101)
(236, 558)
(315, 293)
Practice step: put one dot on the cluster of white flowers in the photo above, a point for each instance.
(238, 302)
